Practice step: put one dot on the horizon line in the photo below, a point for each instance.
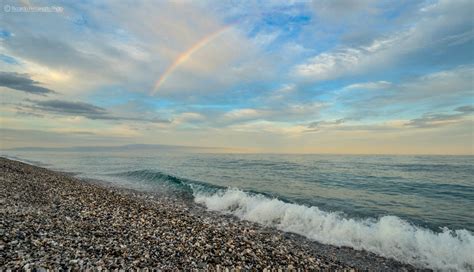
(239, 150)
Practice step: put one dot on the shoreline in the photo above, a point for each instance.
(54, 220)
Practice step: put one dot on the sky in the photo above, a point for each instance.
(324, 76)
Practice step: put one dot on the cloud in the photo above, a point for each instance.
(22, 82)
(457, 81)
(275, 110)
(86, 110)
(289, 112)
(465, 109)
(282, 94)
(245, 114)
(377, 85)
(261, 76)
(431, 120)
(268, 127)
(8, 59)
(136, 53)
(51, 51)
(427, 120)
(70, 108)
(447, 88)
(350, 61)
(315, 126)
(217, 63)
(189, 119)
(335, 9)
(436, 29)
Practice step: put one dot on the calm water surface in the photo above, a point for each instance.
(433, 191)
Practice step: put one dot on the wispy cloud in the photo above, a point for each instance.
(317, 125)
(340, 11)
(377, 85)
(72, 108)
(433, 90)
(69, 108)
(443, 25)
(431, 120)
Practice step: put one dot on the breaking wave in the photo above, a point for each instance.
(388, 236)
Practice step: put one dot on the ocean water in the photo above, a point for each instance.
(416, 209)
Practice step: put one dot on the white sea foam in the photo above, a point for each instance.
(388, 236)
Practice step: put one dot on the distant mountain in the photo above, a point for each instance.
(134, 147)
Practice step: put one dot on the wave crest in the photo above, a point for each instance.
(388, 236)
(149, 175)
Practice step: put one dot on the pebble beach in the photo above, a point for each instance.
(52, 220)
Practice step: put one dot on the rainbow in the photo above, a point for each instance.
(183, 57)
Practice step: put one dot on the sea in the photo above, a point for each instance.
(415, 209)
